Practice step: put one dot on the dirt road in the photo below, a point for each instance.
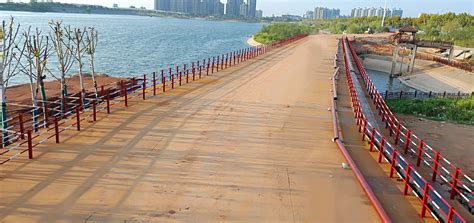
(249, 144)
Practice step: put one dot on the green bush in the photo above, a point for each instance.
(280, 31)
(444, 109)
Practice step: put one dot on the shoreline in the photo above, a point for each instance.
(251, 41)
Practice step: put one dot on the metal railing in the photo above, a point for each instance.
(429, 197)
(442, 168)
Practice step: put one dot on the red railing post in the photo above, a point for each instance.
(194, 72)
(180, 78)
(108, 101)
(56, 129)
(454, 185)
(187, 76)
(435, 166)
(78, 119)
(125, 91)
(94, 110)
(407, 180)
(372, 139)
(218, 60)
(408, 141)
(397, 136)
(450, 215)
(392, 164)
(425, 200)
(163, 80)
(382, 147)
(172, 79)
(364, 130)
(208, 64)
(30, 145)
(419, 153)
(144, 87)
(226, 60)
(200, 72)
(154, 83)
(22, 126)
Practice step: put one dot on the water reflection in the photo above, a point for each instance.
(383, 82)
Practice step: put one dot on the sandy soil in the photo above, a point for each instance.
(251, 41)
(22, 93)
(427, 75)
(452, 140)
(249, 144)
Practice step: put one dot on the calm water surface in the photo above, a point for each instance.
(133, 45)
(383, 82)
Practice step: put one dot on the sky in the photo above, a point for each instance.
(411, 8)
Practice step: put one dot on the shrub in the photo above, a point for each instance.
(444, 109)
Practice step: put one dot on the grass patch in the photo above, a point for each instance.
(280, 31)
(441, 109)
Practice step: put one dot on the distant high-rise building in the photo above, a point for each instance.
(241, 8)
(370, 12)
(326, 13)
(244, 10)
(380, 12)
(353, 12)
(233, 7)
(365, 12)
(259, 14)
(163, 5)
(359, 12)
(197, 7)
(397, 12)
(252, 8)
(309, 15)
(194, 6)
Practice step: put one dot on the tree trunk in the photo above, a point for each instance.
(79, 61)
(34, 103)
(3, 118)
(93, 76)
(63, 95)
(40, 85)
(3, 102)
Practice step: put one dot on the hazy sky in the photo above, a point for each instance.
(278, 7)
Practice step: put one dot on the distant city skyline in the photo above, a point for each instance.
(412, 8)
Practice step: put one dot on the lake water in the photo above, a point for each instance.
(133, 45)
(383, 82)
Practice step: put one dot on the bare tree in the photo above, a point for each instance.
(37, 51)
(64, 50)
(92, 38)
(8, 66)
(78, 48)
